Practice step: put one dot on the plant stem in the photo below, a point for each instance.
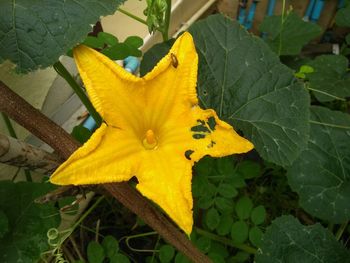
(63, 72)
(132, 16)
(165, 29)
(13, 134)
(91, 208)
(282, 23)
(341, 230)
(226, 241)
(330, 125)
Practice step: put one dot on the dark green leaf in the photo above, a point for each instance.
(117, 52)
(28, 221)
(119, 258)
(110, 246)
(166, 253)
(343, 17)
(289, 37)
(321, 175)
(237, 180)
(225, 205)
(134, 41)
(347, 39)
(217, 248)
(227, 190)
(258, 215)
(216, 258)
(225, 166)
(239, 232)
(249, 169)
(93, 42)
(244, 207)
(199, 185)
(244, 81)
(225, 225)
(180, 258)
(205, 166)
(34, 34)
(212, 218)
(286, 240)
(255, 236)
(240, 257)
(204, 244)
(153, 55)
(329, 81)
(205, 202)
(4, 224)
(81, 134)
(95, 252)
(107, 38)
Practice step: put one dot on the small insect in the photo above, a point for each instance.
(174, 61)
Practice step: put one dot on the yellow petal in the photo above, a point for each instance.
(165, 178)
(110, 155)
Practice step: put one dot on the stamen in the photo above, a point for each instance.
(150, 141)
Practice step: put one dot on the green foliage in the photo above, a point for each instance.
(155, 13)
(95, 252)
(166, 253)
(243, 207)
(4, 224)
(286, 240)
(28, 222)
(34, 34)
(258, 215)
(239, 232)
(81, 134)
(343, 17)
(321, 174)
(110, 246)
(287, 37)
(330, 79)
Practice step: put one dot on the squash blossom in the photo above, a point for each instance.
(153, 129)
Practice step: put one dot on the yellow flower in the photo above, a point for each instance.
(153, 129)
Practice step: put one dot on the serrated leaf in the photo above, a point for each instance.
(288, 37)
(212, 218)
(28, 221)
(4, 224)
(239, 232)
(110, 246)
(321, 175)
(34, 34)
(342, 17)
(286, 240)
(166, 253)
(246, 84)
(258, 215)
(255, 236)
(329, 81)
(95, 252)
(244, 207)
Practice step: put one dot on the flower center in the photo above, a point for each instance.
(150, 141)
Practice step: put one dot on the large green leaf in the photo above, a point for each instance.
(321, 174)
(288, 37)
(34, 33)
(330, 80)
(286, 240)
(28, 222)
(244, 81)
(343, 17)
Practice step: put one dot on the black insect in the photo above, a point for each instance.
(174, 61)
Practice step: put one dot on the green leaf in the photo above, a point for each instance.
(216, 258)
(244, 207)
(343, 17)
(166, 253)
(224, 205)
(34, 34)
(239, 232)
(28, 221)
(286, 240)
(119, 258)
(117, 52)
(225, 166)
(110, 246)
(107, 38)
(258, 215)
(244, 81)
(321, 175)
(81, 134)
(205, 166)
(347, 39)
(227, 190)
(93, 42)
(4, 224)
(205, 202)
(204, 244)
(212, 218)
(95, 252)
(240, 257)
(225, 225)
(255, 236)
(329, 81)
(180, 258)
(249, 169)
(217, 248)
(134, 41)
(237, 180)
(289, 37)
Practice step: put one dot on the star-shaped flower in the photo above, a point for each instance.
(153, 129)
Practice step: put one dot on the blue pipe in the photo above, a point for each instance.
(250, 17)
(131, 65)
(309, 9)
(316, 12)
(271, 8)
(241, 15)
(341, 4)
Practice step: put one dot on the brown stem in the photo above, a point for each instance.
(48, 131)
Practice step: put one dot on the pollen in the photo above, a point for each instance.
(150, 141)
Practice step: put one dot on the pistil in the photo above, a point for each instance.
(150, 141)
